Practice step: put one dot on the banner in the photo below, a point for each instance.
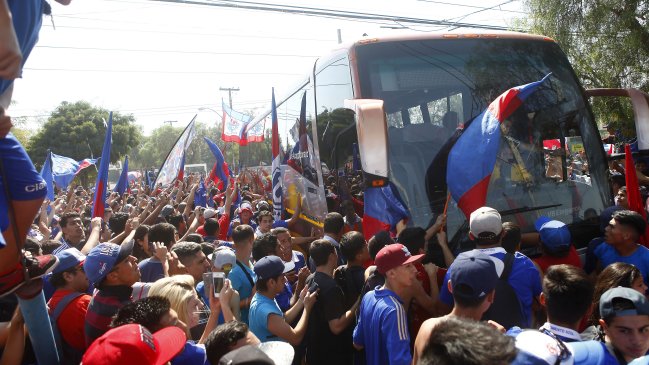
(278, 199)
(235, 125)
(171, 167)
(220, 168)
(99, 203)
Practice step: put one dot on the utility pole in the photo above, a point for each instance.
(170, 121)
(229, 90)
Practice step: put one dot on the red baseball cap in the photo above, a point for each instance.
(392, 256)
(134, 344)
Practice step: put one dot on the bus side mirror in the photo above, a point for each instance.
(371, 128)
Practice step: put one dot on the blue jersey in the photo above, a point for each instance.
(260, 308)
(241, 283)
(26, 185)
(382, 329)
(607, 255)
(524, 279)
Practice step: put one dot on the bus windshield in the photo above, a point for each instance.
(551, 161)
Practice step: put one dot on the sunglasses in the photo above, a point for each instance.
(564, 353)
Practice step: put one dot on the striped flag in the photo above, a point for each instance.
(275, 168)
(99, 203)
(235, 126)
(221, 168)
(170, 169)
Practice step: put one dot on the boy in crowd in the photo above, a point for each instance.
(242, 276)
(382, 328)
(328, 340)
(267, 321)
(473, 281)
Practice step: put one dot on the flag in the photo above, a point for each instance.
(300, 157)
(200, 195)
(64, 169)
(221, 169)
(234, 126)
(122, 183)
(99, 202)
(633, 196)
(181, 172)
(170, 169)
(473, 157)
(46, 173)
(278, 199)
(383, 209)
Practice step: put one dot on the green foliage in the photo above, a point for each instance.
(77, 130)
(607, 42)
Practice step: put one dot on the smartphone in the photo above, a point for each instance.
(313, 287)
(214, 281)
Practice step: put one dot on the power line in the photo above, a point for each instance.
(163, 72)
(469, 6)
(174, 51)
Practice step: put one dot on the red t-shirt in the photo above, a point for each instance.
(546, 261)
(71, 322)
(418, 313)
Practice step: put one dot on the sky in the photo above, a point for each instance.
(163, 61)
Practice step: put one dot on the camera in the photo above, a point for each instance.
(214, 281)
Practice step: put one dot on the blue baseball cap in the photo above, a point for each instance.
(555, 235)
(68, 259)
(607, 309)
(588, 352)
(102, 259)
(270, 267)
(474, 274)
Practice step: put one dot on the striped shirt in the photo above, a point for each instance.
(103, 307)
(382, 329)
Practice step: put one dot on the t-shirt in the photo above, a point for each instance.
(103, 306)
(71, 322)
(572, 258)
(260, 308)
(240, 283)
(283, 299)
(606, 254)
(382, 329)
(591, 259)
(191, 354)
(351, 280)
(323, 346)
(151, 270)
(524, 279)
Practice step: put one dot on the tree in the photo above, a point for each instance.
(607, 42)
(77, 130)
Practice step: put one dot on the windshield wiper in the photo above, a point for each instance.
(527, 209)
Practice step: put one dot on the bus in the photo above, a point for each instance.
(427, 86)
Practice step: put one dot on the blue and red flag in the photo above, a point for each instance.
(181, 172)
(221, 168)
(122, 183)
(99, 203)
(235, 127)
(64, 169)
(383, 209)
(171, 167)
(200, 195)
(278, 199)
(473, 157)
(633, 196)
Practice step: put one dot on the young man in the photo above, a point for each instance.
(567, 296)
(328, 338)
(113, 270)
(228, 337)
(556, 244)
(73, 232)
(242, 276)
(267, 321)
(382, 328)
(69, 304)
(625, 321)
(267, 245)
(265, 219)
(351, 277)
(472, 284)
(333, 231)
(152, 268)
(485, 226)
(621, 238)
(191, 255)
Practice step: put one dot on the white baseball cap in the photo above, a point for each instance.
(485, 221)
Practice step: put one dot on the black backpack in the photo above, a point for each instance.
(506, 308)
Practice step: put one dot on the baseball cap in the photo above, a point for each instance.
(103, 258)
(270, 267)
(485, 222)
(263, 205)
(209, 213)
(392, 256)
(245, 206)
(68, 259)
(223, 256)
(474, 274)
(246, 355)
(608, 299)
(538, 348)
(166, 210)
(588, 352)
(554, 234)
(134, 344)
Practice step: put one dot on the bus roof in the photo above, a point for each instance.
(346, 47)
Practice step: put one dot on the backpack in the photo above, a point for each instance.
(67, 353)
(506, 308)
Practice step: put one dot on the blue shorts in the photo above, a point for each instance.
(23, 181)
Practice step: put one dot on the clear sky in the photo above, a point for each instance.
(162, 62)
